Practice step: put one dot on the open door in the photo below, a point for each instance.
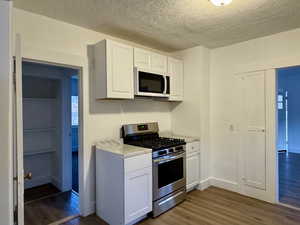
(18, 135)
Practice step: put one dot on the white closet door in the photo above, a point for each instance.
(19, 131)
(254, 144)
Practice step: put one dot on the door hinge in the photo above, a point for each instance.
(14, 75)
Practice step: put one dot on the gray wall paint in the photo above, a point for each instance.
(289, 80)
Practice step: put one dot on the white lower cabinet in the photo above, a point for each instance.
(192, 166)
(192, 173)
(138, 194)
(123, 187)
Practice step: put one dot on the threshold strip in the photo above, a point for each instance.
(64, 220)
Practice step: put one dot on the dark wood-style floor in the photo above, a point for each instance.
(39, 192)
(75, 175)
(289, 178)
(52, 209)
(216, 206)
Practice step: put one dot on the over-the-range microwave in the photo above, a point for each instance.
(151, 83)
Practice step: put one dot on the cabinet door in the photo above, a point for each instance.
(142, 59)
(119, 70)
(175, 71)
(158, 63)
(192, 173)
(138, 194)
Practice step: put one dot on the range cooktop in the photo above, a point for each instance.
(156, 143)
(146, 135)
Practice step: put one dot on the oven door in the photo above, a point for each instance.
(151, 84)
(169, 174)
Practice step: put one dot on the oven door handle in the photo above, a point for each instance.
(159, 161)
(170, 198)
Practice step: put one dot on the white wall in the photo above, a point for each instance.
(278, 50)
(103, 119)
(6, 195)
(191, 117)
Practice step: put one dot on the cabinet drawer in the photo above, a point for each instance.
(137, 162)
(192, 147)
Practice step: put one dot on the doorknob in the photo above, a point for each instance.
(28, 176)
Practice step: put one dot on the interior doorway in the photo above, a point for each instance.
(50, 139)
(288, 131)
(74, 132)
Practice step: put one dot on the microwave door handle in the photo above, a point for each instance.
(165, 90)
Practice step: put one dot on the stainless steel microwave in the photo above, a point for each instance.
(151, 84)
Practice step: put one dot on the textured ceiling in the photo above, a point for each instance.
(174, 24)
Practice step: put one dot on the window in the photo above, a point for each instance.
(280, 101)
(74, 110)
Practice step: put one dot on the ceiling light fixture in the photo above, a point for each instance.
(220, 2)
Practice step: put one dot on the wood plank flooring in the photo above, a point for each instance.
(42, 191)
(289, 179)
(49, 210)
(216, 206)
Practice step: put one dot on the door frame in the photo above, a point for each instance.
(64, 93)
(277, 169)
(271, 86)
(45, 56)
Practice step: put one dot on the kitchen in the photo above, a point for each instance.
(207, 110)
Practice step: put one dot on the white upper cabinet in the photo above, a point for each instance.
(175, 71)
(150, 61)
(142, 59)
(158, 63)
(113, 70)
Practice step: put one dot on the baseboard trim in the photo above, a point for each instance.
(204, 184)
(91, 209)
(137, 220)
(225, 184)
(57, 183)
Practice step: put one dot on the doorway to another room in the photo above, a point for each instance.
(74, 132)
(288, 135)
(51, 142)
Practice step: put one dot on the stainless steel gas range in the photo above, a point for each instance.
(169, 175)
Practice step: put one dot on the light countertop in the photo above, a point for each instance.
(116, 146)
(188, 139)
